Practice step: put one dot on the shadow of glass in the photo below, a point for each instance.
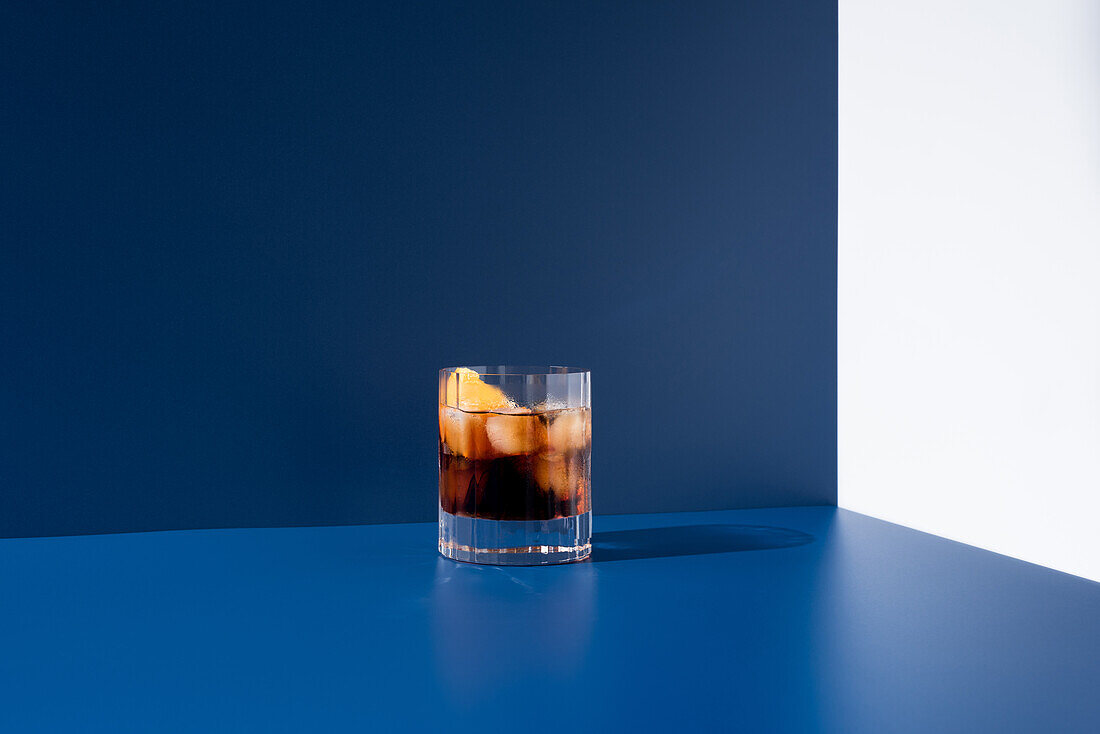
(692, 540)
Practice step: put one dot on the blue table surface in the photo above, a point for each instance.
(778, 620)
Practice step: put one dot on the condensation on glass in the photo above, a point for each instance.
(515, 454)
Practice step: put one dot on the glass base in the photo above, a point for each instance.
(515, 543)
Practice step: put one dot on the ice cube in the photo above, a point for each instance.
(516, 434)
(456, 478)
(570, 430)
(552, 473)
(464, 434)
(565, 475)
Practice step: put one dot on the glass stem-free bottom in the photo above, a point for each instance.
(513, 542)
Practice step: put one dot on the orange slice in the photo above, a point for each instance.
(467, 391)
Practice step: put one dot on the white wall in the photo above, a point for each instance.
(969, 284)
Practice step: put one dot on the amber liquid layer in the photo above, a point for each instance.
(524, 487)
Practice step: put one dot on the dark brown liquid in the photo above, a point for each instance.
(522, 487)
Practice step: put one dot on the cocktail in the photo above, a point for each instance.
(515, 451)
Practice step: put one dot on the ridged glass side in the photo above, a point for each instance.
(515, 542)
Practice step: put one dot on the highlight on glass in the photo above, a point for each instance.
(515, 455)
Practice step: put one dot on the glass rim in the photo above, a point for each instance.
(507, 370)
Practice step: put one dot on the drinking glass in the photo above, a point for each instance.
(515, 453)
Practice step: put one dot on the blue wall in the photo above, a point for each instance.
(238, 242)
